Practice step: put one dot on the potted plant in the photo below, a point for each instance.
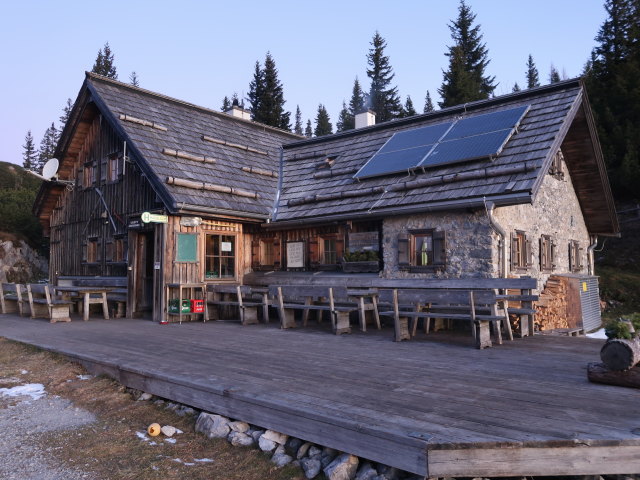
(360, 261)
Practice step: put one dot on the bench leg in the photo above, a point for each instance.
(362, 315)
(249, 315)
(342, 323)
(482, 334)
(288, 319)
(305, 313)
(402, 329)
(265, 307)
(59, 313)
(105, 306)
(376, 315)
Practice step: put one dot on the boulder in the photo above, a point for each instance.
(302, 451)
(212, 425)
(279, 438)
(315, 451)
(366, 472)
(239, 439)
(344, 467)
(266, 445)
(168, 430)
(389, 473)
(292, 445)
(311, 466)
(256, 434)
(280, 457)
(239, 426)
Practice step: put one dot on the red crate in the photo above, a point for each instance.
(197, 306)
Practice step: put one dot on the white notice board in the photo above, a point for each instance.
(295, 254)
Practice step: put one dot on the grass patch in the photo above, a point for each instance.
(621, 290)
(110, 448)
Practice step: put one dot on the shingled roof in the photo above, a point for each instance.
(319, 184)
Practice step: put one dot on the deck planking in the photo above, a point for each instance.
(433, 406)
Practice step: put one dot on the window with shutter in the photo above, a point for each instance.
(547, 253)
(575, 256)
(403, 252)
(426, 250)
(521, 251)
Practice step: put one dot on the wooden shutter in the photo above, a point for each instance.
(514, 251)
(543, 253)
(553, 248)
(439, 248)
(339, 248)
(580, 255)
(403, 251)
(255, 254)
(528, 252)
(277, 254)
(314, 251)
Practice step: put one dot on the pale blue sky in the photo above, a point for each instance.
(201, 51)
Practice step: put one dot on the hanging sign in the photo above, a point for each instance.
(226, 246)
(147, 217)
(295, 255)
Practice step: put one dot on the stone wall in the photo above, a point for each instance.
(19, 263)
(556, 212)
(468, 244)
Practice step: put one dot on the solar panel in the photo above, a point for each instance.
(469, 148)
(489, 122)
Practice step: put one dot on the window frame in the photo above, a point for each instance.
(217, 258)
(521, 251)
(547, 253)
(264, 244)
(407, 253)
(575, 257)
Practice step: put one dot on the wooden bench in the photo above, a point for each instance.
(45, 305)
(11, 298)
(240, 296)
(117, 295)
(334, 300)
(479, 308)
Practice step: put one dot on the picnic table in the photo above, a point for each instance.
(88, 295)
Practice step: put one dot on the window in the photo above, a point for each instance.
(575, 256)
(521, 251)
(329, 251)
(547, 253)
(556, 166)
(88, 175)
(119, 254)
(220, 257)
(91, 255)
(114, 167)
(330, 248)
(422, 250)
(267, 252)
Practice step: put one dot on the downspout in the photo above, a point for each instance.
(276, 203)
(502, 249)
(590, 256)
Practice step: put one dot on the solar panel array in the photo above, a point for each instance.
(480, 136)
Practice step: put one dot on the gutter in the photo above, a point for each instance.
(501, 200)
(502, 246)
(591, 268)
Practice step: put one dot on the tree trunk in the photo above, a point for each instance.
(621, 354)
(599, 373)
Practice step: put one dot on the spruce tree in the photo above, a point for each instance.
(428, 104)
(323, 123)
(612, 84)
(298, 126)
(408, 109)
(308, 131)
(226, 104)
(266, 96)
(466, 80)
(533, 78)
(104, 63)
(554, 76)
(29, 155)
(516, 87)
(256, 88)
(47, 147)
(66, 113)
(383, 98)
(346, 121)
(133, 79)
(357, 102)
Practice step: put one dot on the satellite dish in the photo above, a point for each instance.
(50, 168)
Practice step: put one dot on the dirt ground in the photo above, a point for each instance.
(88, 427)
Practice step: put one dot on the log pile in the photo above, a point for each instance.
(551, 308)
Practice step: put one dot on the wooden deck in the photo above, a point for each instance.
(437, 408)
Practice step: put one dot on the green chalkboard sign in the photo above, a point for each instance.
(187, 247)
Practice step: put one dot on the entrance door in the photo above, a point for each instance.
(144, 274)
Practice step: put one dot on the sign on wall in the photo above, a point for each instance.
(295, 254)
(364, 241)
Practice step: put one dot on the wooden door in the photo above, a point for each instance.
(143, 273)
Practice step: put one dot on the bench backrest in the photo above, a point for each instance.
(38, 291)
(300, 291)
(10, 289)
(101, 282)
(438, 297)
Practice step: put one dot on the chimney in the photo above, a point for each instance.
(239, 112)
(365, 119)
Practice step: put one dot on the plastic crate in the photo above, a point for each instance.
(197, 306)
(177, 306)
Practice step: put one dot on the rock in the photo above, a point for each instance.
(302, 451)
(239, 439)
(266, 445)
(389, 473)
(168, 430)
(366, 472)
(315, 451)
(144, 396)
(239, 426)
(279, 438)
(326, 459)
(256, 434)
(311, 466)
(292, 445)
(280, 457)
(158, 403)
(344, 467)
(213, 426)
(331, 452)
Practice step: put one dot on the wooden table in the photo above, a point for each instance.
(86, 294)
(371, 305)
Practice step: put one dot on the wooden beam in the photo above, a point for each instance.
(188, 156)
(139, 121)
(233, 145)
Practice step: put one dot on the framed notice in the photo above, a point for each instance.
(186, 248)
(295, 254)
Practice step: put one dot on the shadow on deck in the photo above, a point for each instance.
(433, 406)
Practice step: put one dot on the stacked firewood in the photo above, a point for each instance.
(551, 308)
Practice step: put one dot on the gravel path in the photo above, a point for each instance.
(22, 420)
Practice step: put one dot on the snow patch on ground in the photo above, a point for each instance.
(170, 440)
(34, 390)
(203, 460)
(597, 334)
(84, 377)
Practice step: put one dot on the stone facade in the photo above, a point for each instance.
(555, 212)
(472, 246)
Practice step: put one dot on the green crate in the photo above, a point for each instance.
(176, 306)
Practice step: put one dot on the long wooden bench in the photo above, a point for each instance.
(45, 305)
(461, 305)
(117, 296)
(11, 298)
(240, 296)
(334, 300)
